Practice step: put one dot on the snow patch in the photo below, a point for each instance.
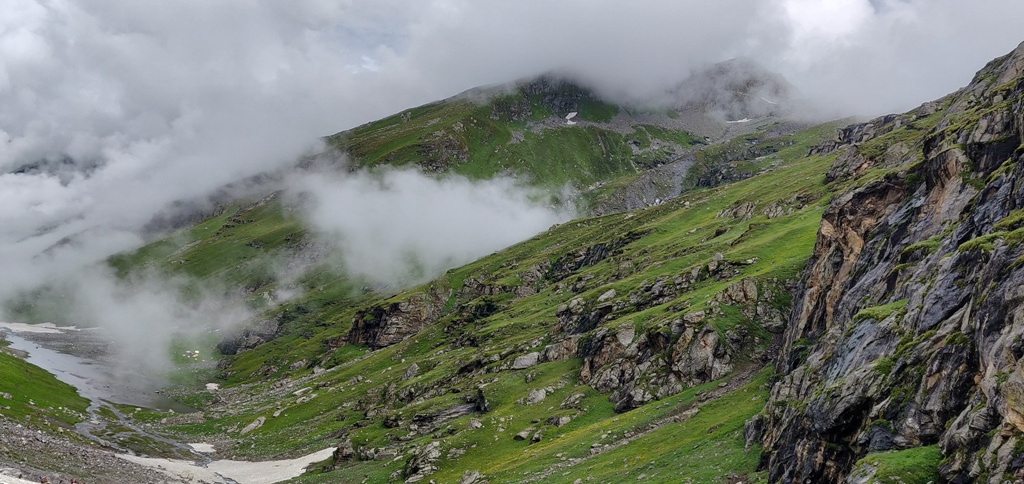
(202, 447)
(8, 479)
(44, 328)
(224, 471)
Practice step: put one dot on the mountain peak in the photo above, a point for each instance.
(735, 89)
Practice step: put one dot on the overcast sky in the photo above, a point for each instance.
(168, 100)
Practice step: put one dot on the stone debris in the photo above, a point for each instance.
(254, 425)
(411, 372)
(536, 395)
(524, 434)
(526, 361)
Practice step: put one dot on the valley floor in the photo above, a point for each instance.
(25, 452)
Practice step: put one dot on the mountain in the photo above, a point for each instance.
(604, 330)
(806, 304)
(521, 130)
(643, 275)
(735, 90)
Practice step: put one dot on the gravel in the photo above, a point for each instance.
(24, 452)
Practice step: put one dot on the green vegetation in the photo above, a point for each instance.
(922, 248)
(712, 247)
(984, 243)
(517, 133)
(37, 397)
(879, 313)
(909, 133)
(702, 449)
(577, 354)
(958, 339)
(884, 365)
(360, 395)
(919, 465)
(1012, 221)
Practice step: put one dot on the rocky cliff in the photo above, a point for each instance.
(907, 329)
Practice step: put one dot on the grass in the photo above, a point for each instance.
(362, 396)
(879, 313)
(37, 397)
(918, 465)
(466, 348)
(1014, 220)
(922, 248)
(706, 448)
(658, 243)
(483, 140)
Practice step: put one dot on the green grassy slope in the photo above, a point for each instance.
(36, 397)
(316, 383)
(762, 229)
(520, 132)
(917, 465)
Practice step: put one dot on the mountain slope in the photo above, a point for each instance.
(522, 130)
(679, 303)
(654, 344)
(905, 334)
(633, 313)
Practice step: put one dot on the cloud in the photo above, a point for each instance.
(398, 227)
(142, 319)
(874, 57)
(139, 320)
(113, 110)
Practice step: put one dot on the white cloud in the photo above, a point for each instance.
(812, 21)
(400, 226)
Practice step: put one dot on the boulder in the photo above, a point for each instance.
(526, 361)
(254, 425)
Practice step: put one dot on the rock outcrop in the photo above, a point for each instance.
(908, 328)
(391, 322)
(249, 338)
(637, 367)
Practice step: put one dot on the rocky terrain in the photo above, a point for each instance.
(31, 453)
(583, 345)
(905, 332)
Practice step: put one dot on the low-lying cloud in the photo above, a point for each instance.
(142, 318)
(397, 227)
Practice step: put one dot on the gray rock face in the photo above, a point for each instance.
(384, 325)
(637, 368)
(658, 184)
(526, 361)
(559, 421)
(524, 434)
(536, 396)
(421, 465)
(345, 452)
(249, 338)
(411, 372)
(472, 477)
(907, 331)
